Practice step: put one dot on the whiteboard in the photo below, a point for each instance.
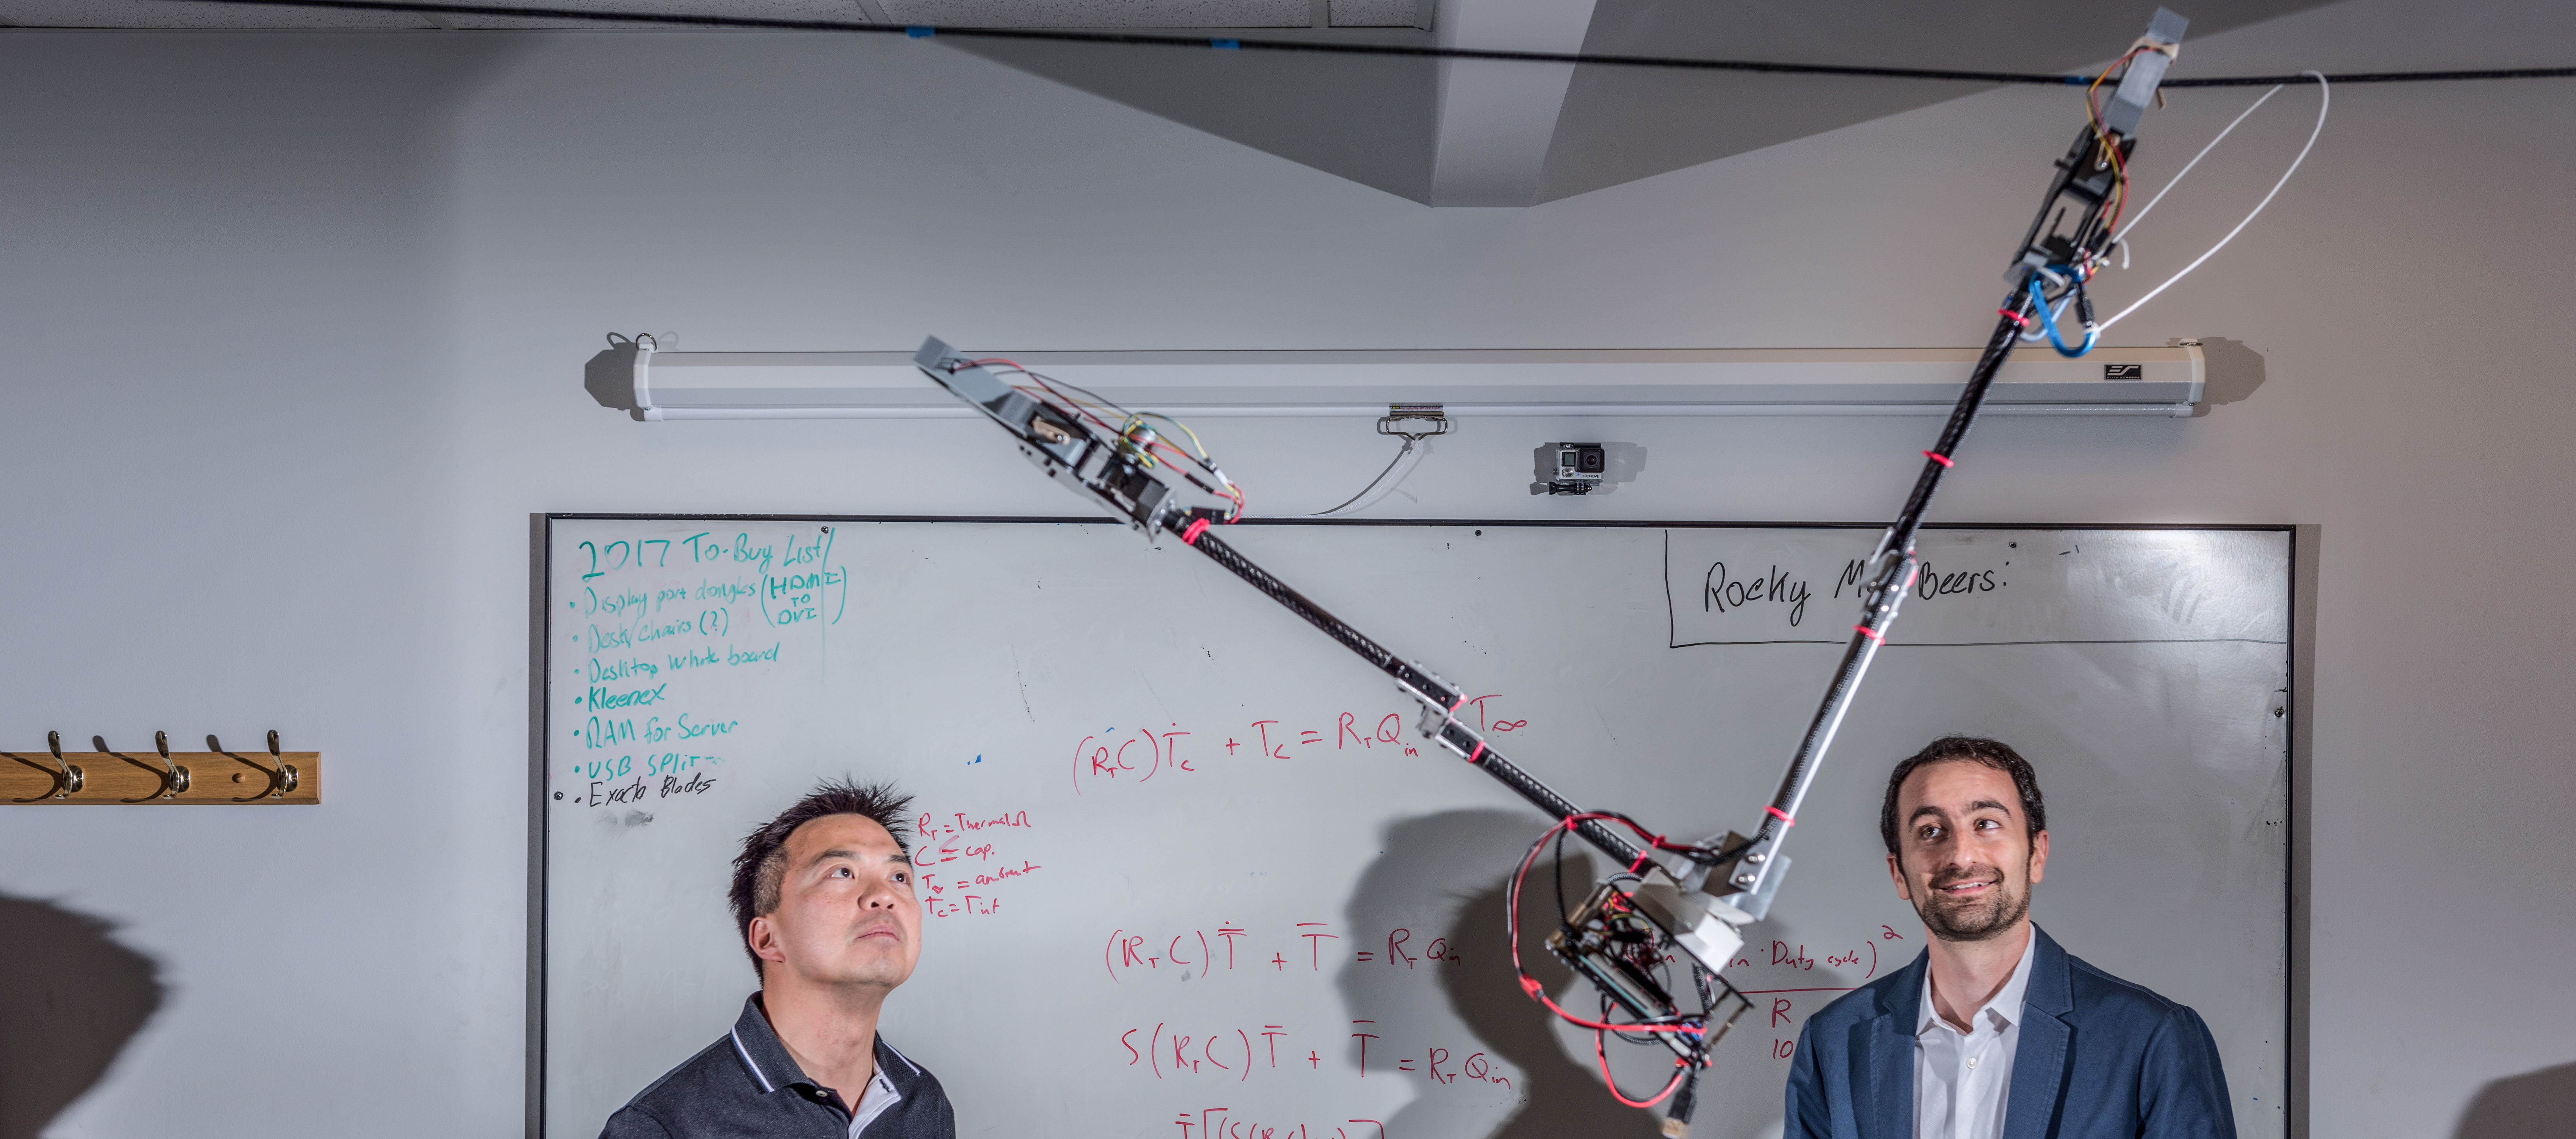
(1189, 874)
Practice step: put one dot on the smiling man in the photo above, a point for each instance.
(823, 896)
(1994, 1032)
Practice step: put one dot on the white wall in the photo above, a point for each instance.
(291, 330)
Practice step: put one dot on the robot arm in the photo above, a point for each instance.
(1686, 901)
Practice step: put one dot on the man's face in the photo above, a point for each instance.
(847, 915)
(1964, 855)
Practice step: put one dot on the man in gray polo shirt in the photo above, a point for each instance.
(824, 898)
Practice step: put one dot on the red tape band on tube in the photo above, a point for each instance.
(2014, 317)
(1190, 537)
(1940, 458)
(1641, 860)
(1870, 633)
(1781, 815)
(1480, 750)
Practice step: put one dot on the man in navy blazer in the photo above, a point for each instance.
(1994, 1032)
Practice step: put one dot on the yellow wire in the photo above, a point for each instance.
(1195, 445)
(2119, 169)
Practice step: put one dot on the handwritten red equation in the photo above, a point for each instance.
(1138, 756)
(966, 849)
(1236, 1052)
(1785, 955)
(1303, 946)
(1222, 1123)
(1784, 973)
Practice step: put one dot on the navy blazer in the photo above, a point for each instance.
(2099, 1058)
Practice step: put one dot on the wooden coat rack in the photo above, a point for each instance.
(54, 777)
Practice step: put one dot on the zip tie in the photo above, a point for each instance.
(1480, 750)
(1940, 458)
(1870, 633)
(1783, 816)
(1652, 845)
(1190, 537)
(2014, 317)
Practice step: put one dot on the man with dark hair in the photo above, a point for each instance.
(1994, 1032)
(823, 897)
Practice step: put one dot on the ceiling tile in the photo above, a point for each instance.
(1102, 13)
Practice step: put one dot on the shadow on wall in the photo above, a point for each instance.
(2231, 372)
(1436, 955)
(2516, 1107)
(70, 1000)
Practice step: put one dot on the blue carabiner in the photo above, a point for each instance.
(2048, 322)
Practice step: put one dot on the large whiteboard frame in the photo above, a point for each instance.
(542, 719)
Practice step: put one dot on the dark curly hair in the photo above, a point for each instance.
(1972, 749)
(762, 865)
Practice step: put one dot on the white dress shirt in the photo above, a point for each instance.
(873, 1102)
(1961, 1078)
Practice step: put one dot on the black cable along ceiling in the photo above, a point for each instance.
(1331, 47)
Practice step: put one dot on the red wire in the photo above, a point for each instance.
(1233, 491)
(1539, 993)
(1060, 403)
(1529, 984)
(1679, 1070)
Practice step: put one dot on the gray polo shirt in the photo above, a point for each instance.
(745, 1084)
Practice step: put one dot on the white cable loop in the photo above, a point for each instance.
(2325, 101)
(2241, 116)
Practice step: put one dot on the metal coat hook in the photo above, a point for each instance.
(75, 777)
(174, 777)
(285, 770)
(281, 778)
(67, 776)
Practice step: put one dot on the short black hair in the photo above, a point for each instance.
(1969, 749)
(762, 866)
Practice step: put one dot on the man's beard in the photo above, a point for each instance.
(1974, 919)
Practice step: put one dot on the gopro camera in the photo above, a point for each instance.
(1580, 468)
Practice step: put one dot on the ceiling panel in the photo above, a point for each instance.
(1102, 13)
(1365, 118)
(226, 16)
(1380, 13)
(1376, 120)
(1620, 124)
(190, 14)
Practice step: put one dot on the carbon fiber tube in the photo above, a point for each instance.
(1454, 735)
(1895, 559)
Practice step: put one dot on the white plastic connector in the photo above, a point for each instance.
(1706, 927)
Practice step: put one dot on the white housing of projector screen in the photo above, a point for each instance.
(2163, 382)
